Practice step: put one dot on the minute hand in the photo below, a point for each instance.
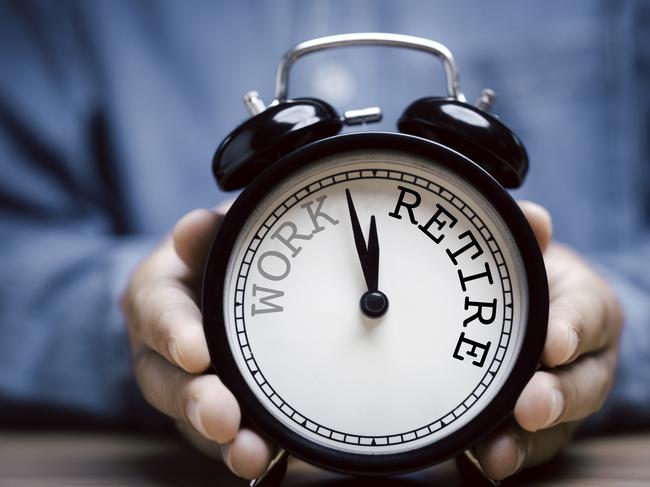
(359, 241)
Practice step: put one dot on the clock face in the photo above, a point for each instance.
(449, 268)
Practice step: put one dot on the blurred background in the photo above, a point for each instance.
(110, 112)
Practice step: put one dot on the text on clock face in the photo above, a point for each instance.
(274, 266)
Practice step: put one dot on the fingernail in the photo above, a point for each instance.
(557, 406)
(194, 416)
(521, 453)
(573, 344)
(225, 456)
(173, 351)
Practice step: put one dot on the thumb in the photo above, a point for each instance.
(193, 235)
(540, 221)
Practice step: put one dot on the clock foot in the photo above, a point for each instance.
(374, 304)
(274, 473)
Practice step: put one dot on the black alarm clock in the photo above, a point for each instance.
(376, 301)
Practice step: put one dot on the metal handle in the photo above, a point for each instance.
(367, 39)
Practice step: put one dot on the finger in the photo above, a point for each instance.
(248, 455)
(584, 315)
(201, 400)
(198, 441)
(169, 321)
(510, 449)
(193, 235)
(577, 324)
(223, 207)
(566, 394)
(539, 220)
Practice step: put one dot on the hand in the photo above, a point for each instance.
(578, 361)
(170, 353)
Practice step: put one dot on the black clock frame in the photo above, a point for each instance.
(223, 361)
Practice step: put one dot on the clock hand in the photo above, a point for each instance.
(374, 303)
(372, 257)
(359, 240)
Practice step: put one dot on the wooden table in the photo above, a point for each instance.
(73, 459)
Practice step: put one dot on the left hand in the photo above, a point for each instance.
(578, 362)
(170, 353)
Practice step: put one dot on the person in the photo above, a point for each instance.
(110, 112)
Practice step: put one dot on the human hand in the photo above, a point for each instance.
(578, 362)
(170, 353)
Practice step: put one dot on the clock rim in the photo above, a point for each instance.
(494, 413)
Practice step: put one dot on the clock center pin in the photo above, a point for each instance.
(374, 304)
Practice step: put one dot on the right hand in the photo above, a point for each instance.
(170, 354)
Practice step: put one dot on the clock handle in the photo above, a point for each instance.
(286, 125)
(367, 39)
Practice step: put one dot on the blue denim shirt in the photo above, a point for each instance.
(110, 112)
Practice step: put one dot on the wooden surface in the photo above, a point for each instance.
(103, 459)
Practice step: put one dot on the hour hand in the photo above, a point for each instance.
(372, 257)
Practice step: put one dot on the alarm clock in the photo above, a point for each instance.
(376, 301)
